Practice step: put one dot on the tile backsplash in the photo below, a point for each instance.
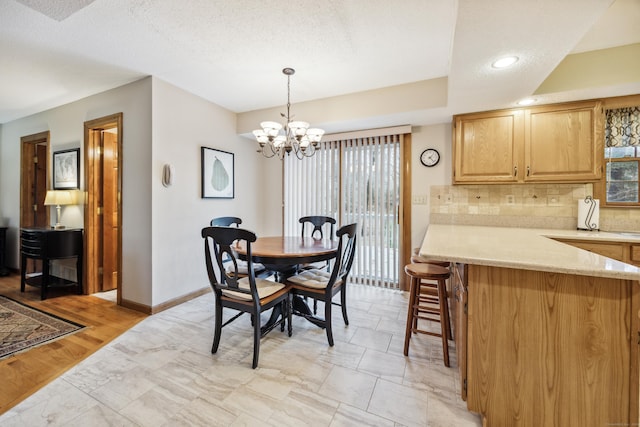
(522, 205)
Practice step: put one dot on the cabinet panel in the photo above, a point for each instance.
(459, 309)
(635, 254)
(610, 250)
(548, 349)
(486, 146)
(560, 143)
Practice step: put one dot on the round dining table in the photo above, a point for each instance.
(283, 254)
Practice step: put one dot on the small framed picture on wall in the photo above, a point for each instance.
(66, 169)
(217, 174)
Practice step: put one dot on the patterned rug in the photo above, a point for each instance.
(23, 327)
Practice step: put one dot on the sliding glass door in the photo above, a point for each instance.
(353, 180)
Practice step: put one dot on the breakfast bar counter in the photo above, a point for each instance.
(526, 248)
(547, 334)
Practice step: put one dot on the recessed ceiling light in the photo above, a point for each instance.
(526, 101)
(505, 62)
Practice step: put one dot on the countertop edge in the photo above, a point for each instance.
(527, 249)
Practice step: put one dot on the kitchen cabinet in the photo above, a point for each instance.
(552, 143)
(486, 146)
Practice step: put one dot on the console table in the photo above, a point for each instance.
(47, 244)
(3, 257)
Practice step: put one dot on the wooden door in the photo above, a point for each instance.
(563, 143)
(110, 210)
(103, 210)
(486, 146)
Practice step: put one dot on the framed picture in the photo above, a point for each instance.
(217, 174)
(66, 169)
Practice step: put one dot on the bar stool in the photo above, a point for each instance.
(416, 258)
(428, 302)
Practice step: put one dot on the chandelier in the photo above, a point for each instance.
(295, 136)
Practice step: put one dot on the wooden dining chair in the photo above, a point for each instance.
(245, 294)
(318, 223)
(322, 285)
(230, 221)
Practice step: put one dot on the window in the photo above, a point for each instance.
(622, 156)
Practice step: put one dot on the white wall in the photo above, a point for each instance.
(162, 248)
(66, 126)
(438, 137)
(182, 124)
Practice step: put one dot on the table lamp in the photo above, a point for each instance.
(58, 198)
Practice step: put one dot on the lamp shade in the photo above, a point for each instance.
(57, 197)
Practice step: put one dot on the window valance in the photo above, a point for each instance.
(622, 128)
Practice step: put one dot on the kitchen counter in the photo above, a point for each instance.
(527, 249)
(546, 333)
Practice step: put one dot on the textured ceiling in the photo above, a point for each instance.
(232, 52)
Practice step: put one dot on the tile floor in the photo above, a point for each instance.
(161, 373)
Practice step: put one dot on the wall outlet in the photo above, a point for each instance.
(420, 199)
(511, 200)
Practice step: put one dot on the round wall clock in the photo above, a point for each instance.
(430, 157)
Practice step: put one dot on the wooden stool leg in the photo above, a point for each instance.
(410, 313)
(444, 320)
(447, 318)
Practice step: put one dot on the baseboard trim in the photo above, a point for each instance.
(177, 301)
(146, 309)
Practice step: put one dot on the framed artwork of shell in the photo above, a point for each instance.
(217, 174)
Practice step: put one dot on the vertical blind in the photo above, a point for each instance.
(311, 186)
(353, 180)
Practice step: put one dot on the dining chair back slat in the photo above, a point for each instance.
(318, 222)
(226, 221)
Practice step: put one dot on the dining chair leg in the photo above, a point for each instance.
(256, 341)
(283, 309)
(217, 329)
(343, 303)
(327, 317)
(289, 314)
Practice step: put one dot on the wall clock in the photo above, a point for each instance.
(430, 157)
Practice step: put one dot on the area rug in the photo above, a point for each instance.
(23, 327)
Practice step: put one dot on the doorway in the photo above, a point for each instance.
(34, 181)
(103, 207)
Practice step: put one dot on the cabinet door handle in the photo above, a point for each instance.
(528, 171)
(515, 170)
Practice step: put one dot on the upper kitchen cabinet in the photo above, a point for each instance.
(486, 146)
(563, 142)
(553, 143)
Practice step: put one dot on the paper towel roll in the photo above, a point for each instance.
(589, 214)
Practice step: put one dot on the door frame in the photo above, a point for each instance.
(34, 139)
(92, 212)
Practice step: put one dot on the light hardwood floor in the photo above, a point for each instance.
(25, 373)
